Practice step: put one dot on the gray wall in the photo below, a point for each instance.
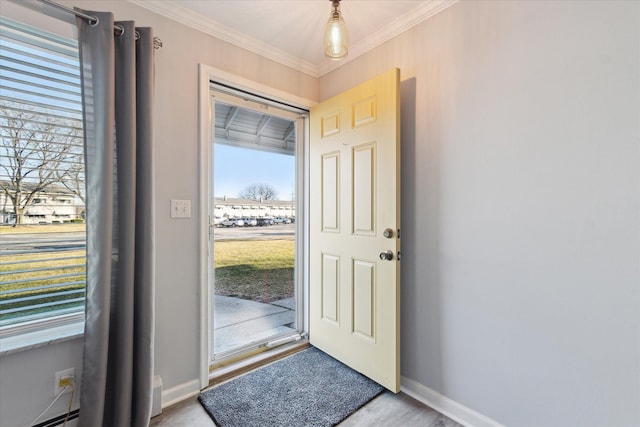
(521, 207)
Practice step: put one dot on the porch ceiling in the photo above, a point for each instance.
(241, 127)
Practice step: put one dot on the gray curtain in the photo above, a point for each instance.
(117, 87)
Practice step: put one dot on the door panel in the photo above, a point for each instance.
(363, 192)
(354, 310)
(330, 288)
(364, 289)
(330, 191)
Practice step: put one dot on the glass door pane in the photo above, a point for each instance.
(254, 234)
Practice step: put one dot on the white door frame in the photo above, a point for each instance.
(205, 126)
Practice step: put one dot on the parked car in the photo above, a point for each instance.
(263, 222)
(232, 222)
(250, 222)
(281, 220)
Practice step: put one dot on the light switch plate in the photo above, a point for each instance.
(180, 208)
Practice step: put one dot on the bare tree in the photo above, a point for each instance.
(40, 149)
(72, 178)
(259, 192)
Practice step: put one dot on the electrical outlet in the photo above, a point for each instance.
(64, 378)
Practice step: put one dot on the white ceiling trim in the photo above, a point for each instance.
(176, 12)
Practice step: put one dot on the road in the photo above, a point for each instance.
(40, 242)
(11, 244)
(280, 231)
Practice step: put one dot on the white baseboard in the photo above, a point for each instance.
(176, 394)
(446, 406)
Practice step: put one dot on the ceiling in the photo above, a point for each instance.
(290, 31)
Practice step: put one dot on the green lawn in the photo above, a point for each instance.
(259, 270)
(33, 271)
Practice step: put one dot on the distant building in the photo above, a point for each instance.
(55, 204)
(226, 207)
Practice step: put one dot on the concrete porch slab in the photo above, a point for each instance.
(239, 322)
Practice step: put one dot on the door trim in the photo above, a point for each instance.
(205, 115)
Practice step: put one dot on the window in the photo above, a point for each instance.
(43, 240)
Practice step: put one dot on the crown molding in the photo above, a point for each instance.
(174, 11)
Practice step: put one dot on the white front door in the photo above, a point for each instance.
(354, 271)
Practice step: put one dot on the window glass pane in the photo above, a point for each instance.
(42, 191)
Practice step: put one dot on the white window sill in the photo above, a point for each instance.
(39, 338)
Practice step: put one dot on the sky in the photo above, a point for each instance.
(235, 168)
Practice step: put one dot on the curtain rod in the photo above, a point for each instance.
(93, 20)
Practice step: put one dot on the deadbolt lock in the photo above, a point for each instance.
(388, 233)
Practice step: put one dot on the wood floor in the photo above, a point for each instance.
(386, 410)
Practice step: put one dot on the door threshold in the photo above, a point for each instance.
(231, 369)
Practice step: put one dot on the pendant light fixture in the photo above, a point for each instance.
(336, 38)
